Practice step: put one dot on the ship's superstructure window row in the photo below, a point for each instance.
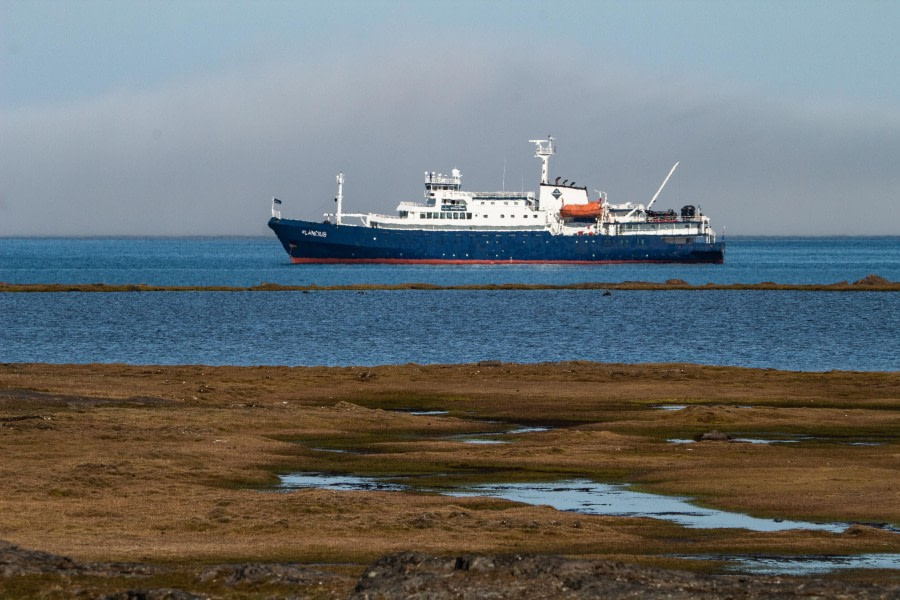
(445, 215)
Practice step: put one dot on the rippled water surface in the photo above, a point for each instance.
(250, 261)
(787, 330)
(812, 331)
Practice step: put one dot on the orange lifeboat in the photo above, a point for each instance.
(589, 210)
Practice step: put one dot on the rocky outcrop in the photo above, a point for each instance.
(420, 576)
(514, 577)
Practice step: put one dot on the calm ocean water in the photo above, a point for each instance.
(785, 330)
(813, 331)
(249, 261)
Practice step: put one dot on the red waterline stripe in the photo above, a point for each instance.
(437, 261)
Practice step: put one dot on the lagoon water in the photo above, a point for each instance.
(810, 331)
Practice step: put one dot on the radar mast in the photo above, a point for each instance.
(544, 150)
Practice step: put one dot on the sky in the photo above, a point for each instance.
(186, 117)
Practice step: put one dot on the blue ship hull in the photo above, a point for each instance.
(309, 242)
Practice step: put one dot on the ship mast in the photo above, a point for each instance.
(340, 197)
(544, 150)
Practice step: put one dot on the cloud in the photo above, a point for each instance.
(203, 157)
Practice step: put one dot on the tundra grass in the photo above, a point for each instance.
(178, 465)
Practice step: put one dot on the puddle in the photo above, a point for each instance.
(581, 496)
(428, 413)
(800, 438)
(670, 406)
(492, 438)
(344, 483)
(591, 498)
(528, 430)
(804, 565)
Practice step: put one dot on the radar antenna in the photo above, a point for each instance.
(544, 149)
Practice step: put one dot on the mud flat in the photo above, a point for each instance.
(167, 477)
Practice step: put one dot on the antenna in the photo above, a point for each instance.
(544, 152)
(665, 181)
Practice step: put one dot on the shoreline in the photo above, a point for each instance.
(870, 283)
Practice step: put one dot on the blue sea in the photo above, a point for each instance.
(253, 260)
(808, 331)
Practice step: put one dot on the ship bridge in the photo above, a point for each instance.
(439, 181)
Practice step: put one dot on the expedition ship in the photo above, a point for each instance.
(558, 224)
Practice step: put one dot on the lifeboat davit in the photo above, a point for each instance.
(590, 210)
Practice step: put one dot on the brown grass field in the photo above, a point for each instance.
(177, 466)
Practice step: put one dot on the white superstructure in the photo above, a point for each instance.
(559, 207)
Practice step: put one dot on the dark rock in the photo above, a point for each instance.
(19, 561)
(517, 577)
(259, 573)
